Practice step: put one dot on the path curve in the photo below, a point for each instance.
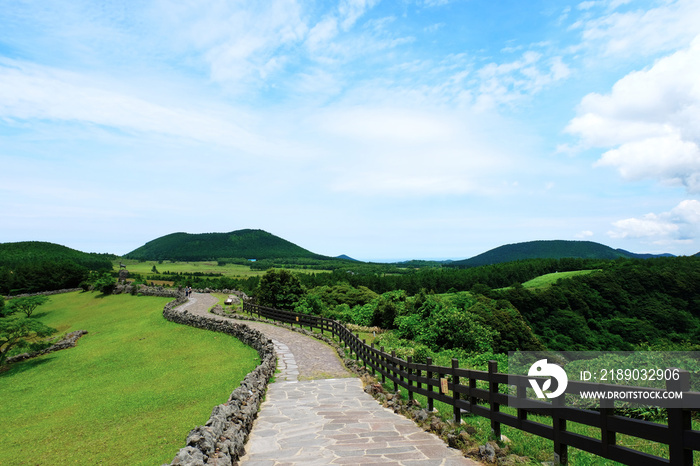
(313, 358)
(329, 420)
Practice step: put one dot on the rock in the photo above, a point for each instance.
(487, 453)
(189, 456)
(459, 441)
(437, 426)
(421, 415)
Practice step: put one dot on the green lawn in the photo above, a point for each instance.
(128, 393)
(551, 278)
(228, 270)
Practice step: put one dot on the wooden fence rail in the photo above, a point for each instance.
(479, 393)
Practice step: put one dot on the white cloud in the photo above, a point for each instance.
(643, 31)
(33, 92)
(351, 10)
(670, 159)
(653, 117)
(680, 225)
(584, 234)
(586, 5)
(237, 41)
(507, 83)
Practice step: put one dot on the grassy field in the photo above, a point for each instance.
(228, 270)
(128, 393)
(551, 278)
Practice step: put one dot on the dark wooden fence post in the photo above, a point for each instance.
(608, 437)
(493, 406)
(472, 399)
(383, 356)
(679, 421)
(373, 353)
(521, 392)
(429, 375)
(455, 393)
(396, 385)
(364, 353)
(561, 450)
(409, 360)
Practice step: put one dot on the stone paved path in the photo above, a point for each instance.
(330, 419)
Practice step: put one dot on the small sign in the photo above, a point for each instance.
(443, 386)
(297, 318)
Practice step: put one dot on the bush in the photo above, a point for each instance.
(105, 284)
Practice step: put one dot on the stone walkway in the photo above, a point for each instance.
(329, 419)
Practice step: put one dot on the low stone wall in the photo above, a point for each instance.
(67, 342)
(44, 293)
(221, 441)
(147, 291)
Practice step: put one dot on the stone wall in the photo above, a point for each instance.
(221, 441)
(67, 342)
(44, 293)
(147, 290)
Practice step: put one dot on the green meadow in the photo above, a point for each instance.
(145, 268)
(551, 278)
(128, 393)
(229, 270)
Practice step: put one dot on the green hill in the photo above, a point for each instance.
(32, 266)
(247, 244)
(554, 249)
(37, 252)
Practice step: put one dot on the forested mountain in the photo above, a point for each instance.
(554, 249)
(247, 244)
(32, 266)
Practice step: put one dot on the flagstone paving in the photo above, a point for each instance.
(317, 413)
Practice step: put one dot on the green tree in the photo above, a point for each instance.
(389, 306)
(4, 310)
(15, 331)
(105, 284)
(279, 289)
(28, 304)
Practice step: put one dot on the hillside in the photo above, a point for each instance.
(247, 244)
(32, 266)
(554, 249)
(36, 252)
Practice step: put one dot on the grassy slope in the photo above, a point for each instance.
(228, 270)
(551, 278)
(128, 393)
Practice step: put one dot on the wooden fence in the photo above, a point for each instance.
(460, 389)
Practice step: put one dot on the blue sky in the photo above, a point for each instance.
(425, 129)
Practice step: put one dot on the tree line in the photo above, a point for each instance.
(625, 305)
